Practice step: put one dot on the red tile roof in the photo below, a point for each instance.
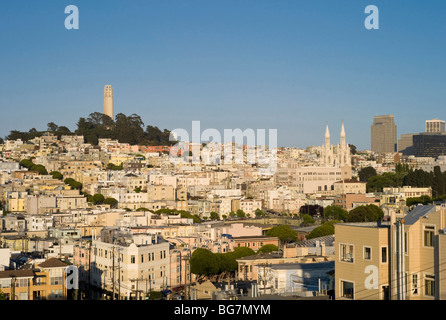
(52, 263)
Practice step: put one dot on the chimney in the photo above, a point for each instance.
(322, 248)
(392, 217)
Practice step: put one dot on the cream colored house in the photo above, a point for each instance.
(396, 260)
(349, 186)
(128, 264)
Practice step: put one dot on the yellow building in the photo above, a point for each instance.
(396, 260)
(45, 282)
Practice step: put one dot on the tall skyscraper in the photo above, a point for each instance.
(405, 144)
(383, 134)
(435, 125)
(108, 101)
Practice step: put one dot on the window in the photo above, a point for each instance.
(22, 283)
(347, 289)
(429, 236)
(405, 242)
(56, 281)
(367, 253)
(429, 285)
(385, 293)
(5, 283)
(384, 254)
(346, 252)
(132, 259)
(142, 258)
(415, 284)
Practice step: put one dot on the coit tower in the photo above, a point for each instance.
(108, 101)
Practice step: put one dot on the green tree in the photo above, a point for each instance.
(112, 166)
(2, 295)
(240, 252)
(366, 173)
(155, 295)
(112, 202)
(73, 183)
(366, 213)
(203, 262)
(240, 213)
(56, 175)
(226, 262)
(387, 179)
(283, 232)
(312, 210)
(27, 163)
(40, 169)
(259, 213)
(324, 230)
(214, 215)
(268, 248)
(335, 212)
(307, 219)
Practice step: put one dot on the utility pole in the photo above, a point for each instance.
(13, 288)
(119, 274)
(113, 272)
(401, 283)
(89, 269)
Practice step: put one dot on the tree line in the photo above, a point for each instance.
(334, 214)
(205, 264)
(405, 176)
(126, 129)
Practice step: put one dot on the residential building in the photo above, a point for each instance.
(128, 265)
(45, 281)
(395, 260)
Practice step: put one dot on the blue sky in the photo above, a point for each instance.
(289, 65)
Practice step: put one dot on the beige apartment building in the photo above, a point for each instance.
(161, 193)
(350, 186)
(349, 201)
(312, 180)
(126, 265)
(396, 260)
(409, 192)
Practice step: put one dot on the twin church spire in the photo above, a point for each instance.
(335, 156)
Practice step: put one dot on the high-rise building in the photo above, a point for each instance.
(405, 144)
(108, 101)
(383, 134)
(435, 125)
(429, 144)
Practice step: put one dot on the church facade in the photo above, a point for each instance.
(335, 156)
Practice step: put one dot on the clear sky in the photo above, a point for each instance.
(290, 65)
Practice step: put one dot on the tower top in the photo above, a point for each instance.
(108, 101)
(327, 132)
